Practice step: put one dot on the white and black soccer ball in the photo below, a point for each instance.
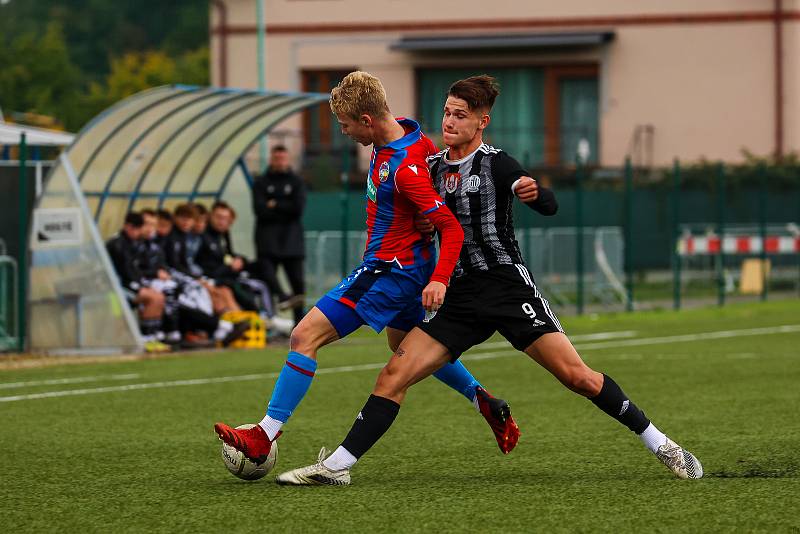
(239, 466)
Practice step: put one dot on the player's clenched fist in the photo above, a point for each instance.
(433, 296)
(527, 190)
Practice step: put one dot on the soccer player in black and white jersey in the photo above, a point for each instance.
(491, 291)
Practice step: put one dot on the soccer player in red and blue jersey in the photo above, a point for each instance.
(399, 277)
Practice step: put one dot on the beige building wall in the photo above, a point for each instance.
(701, 73)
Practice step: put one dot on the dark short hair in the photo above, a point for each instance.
(200, 209)
(164, 215)
(148, 212)
(134, 219)
(186, 210)
(478, 92)
(279, 148)
(222, 205)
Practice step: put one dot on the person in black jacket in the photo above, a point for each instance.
(218, 261)
(152, 259)
(190, 305)
(176, 243)
(124, 251)
(279, 197)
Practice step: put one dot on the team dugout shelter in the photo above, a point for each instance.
(157, 149)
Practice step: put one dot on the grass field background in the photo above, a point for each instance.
(148, 460)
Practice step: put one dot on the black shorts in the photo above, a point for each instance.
(503, 299)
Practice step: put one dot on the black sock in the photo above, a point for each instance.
(149, 327)
(615, 403)
(372, 422)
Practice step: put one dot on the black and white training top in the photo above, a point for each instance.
(478, 190)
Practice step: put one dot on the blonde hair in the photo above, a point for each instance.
(357, 94)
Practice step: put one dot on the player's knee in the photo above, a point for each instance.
(584, 382)
(389, 383)
(150, 297)
(302, 338)
(297, 338)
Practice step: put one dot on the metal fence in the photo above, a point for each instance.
(550, 255)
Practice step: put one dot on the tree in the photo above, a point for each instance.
(38, 75)
(73, 58)
(137, 71)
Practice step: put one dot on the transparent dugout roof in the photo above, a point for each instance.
(172, 143)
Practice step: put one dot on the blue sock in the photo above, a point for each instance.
(291, 387)
(457, 377)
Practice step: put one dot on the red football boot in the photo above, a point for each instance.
(497, 413)
(252, 442)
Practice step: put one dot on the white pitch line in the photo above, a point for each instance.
(74, 380)
(135, 387)
(721, 334)
(203, 381)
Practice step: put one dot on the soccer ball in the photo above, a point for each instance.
(239, 466)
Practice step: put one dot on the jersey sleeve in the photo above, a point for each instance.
(546, 203)
(506, 170)
(414, 183)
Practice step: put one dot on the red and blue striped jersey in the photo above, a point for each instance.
(399, 185)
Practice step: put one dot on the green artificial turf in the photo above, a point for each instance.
(148, 460)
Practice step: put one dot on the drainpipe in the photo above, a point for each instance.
(778, 16)
(222, 31)
(262, 77)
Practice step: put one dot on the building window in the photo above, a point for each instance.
(321, 129)
(324, 158)
(540, 117)
(573, 113)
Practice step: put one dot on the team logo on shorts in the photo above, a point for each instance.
(383, 172)
(473, 183)
(451, 180)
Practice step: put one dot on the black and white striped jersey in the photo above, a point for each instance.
(477, 189)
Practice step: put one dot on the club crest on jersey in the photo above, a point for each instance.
(473, 183)
(451, 180)
(383, 172)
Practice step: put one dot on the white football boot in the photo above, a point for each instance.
(315, 475)
(679, 460)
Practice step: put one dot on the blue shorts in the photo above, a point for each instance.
(378, 295)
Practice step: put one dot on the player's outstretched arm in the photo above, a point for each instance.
(535, 196)
(509, 173)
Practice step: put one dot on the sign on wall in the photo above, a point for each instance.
(57, 226)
